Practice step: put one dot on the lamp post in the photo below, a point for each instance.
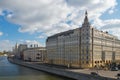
(97, 65)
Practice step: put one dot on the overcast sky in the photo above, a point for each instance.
(31, 21)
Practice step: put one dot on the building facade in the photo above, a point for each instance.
(15, 50)
(35, 54)
(84, 47)
(18, 50)
(21, 47)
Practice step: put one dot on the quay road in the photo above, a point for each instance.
(104, 73)
(79, 74)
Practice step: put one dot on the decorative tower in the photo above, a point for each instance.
(86, 21)
(16, 50)
(85, 42)
(16, 46)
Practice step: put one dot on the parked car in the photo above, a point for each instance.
(114, 69)
(118, 76)
(94, 73)
(119, 66)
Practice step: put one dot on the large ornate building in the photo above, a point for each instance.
(84, 47)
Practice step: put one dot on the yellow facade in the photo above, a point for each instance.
(84, 47)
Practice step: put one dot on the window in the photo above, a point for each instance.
(83, 37)
(87, 57)
(37, 57)
(87, 38)
(87, 62)
(38, 54)
(87, 29)
(95, 62)
(83, 29)
(98, 62)
(82, 62)
(83, 51)
(87, 34)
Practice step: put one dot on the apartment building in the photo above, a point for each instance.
(34, 54)
(83, 47)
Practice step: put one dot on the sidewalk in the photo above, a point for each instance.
(110, 74)
(104, 73)
(79, 74)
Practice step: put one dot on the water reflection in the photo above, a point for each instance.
(9, 71)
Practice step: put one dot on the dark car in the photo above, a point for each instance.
(119, 66)
(94, 73)
(118, 76)
(114, 69)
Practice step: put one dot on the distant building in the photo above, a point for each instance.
(21, 47)
(18, 50)
(15, 49)
(84, 47)
(34, 54)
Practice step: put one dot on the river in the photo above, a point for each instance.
(9, 71)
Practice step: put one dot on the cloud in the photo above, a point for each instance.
(98, 6)
(111, 11)
(82, 3)
(31, 42)
(95, 8)
(35, 15)
(1, 33)
(6, 45)
(42, 36)
(53, 16)
(112, 26)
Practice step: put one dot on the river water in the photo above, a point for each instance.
(9, 71)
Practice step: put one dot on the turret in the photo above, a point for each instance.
(86, 21)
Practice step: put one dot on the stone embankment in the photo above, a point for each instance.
(60, 72)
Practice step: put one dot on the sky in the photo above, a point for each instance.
(32, 21)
